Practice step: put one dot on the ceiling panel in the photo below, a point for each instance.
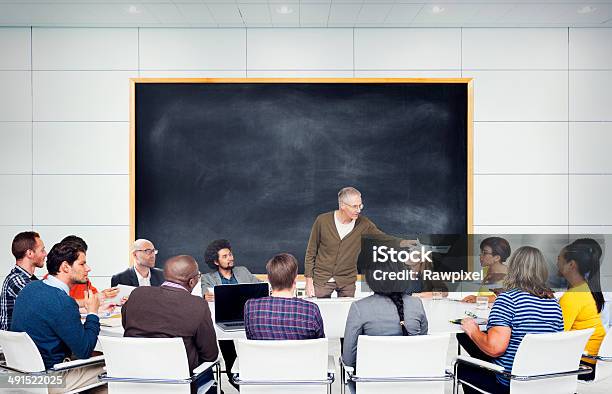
(305, 13)
(344, 13)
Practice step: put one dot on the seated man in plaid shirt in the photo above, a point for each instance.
(282, 316)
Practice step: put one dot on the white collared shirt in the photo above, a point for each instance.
(54, 282)
(142, 281)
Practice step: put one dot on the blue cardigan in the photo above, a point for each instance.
(51, 318)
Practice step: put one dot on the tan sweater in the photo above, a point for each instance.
(328, 256)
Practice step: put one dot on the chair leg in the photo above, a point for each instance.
(218, 373)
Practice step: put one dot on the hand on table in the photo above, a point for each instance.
(469, 326)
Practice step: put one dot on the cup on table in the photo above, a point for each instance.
(482, 302)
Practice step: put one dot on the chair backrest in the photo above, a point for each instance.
(283, 361)
(603, 369)
(20, 351)
(395, 356)
(540, 354)
(145, 358)
(334, 313)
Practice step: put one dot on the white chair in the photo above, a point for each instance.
(544, 363)
(397, 364)
(603, 368)
(269, 367)
(22, 356)
(151, 365)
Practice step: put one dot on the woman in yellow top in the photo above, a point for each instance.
(581, 305)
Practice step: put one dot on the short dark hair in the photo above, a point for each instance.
(499, 247)
(76, 239)
(212, 251)
(282, 271)
(23, 242)
(60, 252)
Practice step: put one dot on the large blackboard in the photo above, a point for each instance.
(257, 162)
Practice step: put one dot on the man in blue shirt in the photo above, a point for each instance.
(46, 312)
(29, 251)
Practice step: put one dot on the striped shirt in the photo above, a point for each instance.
(277, 318)
(16, 280)
(525, 314)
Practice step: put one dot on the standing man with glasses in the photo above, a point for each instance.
(143, 273)
(334, 246)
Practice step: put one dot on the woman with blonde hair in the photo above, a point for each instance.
(526, 307)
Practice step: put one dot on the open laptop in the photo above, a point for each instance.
(230, 300)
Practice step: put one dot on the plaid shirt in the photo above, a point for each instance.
(16, 280)
(282, 318)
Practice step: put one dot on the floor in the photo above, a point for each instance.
(334, 348)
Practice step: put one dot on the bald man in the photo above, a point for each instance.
(143, 272)
(171, 311)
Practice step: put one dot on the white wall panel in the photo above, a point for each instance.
(520, 200)
(15, 96)
(590, 95)
(193, 74)
(500, 230)
(504, 49)
(519, 95)
(407, 49)
(192, 49)
(85, 49)
(81, 95)
(407, 74)
(15, 48)
(16, 200)
(590, 49)
(300, 49)
(589, 147)
(108, 246)
(300, 74)
(15, 147)
(81, 200)
(589, 202)
(520, 147)
(7, 260)
(93, 148)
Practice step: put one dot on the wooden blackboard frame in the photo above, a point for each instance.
(132, 143)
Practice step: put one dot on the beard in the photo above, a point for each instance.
(78, 280)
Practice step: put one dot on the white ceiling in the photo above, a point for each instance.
(307, 13)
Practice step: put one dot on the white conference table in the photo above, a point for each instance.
(334, 312)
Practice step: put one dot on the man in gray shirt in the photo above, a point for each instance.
(219, 256)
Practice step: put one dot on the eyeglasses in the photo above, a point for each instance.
(198, 276)
(483, 253)
(355, 207)
(148, 251)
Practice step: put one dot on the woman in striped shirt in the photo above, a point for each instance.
(527, 306)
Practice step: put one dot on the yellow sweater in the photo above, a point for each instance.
(580, 312)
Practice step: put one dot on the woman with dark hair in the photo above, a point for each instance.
(389, 311)
(493, 254)
(581, 305)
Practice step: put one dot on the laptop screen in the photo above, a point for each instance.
(230, 299)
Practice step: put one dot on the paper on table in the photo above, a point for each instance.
(124, 291)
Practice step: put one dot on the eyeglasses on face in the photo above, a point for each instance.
(148, 251)
(355, 207)
(484, 252)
